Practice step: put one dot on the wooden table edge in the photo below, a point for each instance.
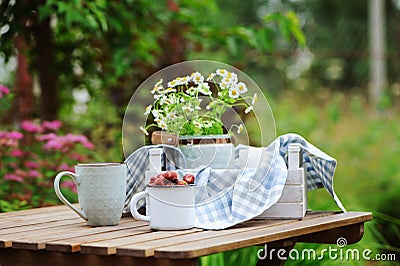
(165, 252)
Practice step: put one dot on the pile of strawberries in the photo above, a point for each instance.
(170, 178)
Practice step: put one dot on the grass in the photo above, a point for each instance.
(366, 145)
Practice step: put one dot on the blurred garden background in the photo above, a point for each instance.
(329, 70)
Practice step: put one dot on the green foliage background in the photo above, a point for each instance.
(108, 48)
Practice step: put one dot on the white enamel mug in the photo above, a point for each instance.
(169, 207)
(101, 192)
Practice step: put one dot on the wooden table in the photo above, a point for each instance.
(57, 236)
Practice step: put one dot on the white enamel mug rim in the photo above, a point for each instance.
(149, 193)
(98, 164)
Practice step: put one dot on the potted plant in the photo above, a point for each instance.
(192, 107)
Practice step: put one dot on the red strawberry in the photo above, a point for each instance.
(189, 178)
(159, 181)
(171, 176)
(182, 183)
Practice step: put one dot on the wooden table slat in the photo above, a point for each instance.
(39, 226)
(24, 221)
(34, 212)
(260, 236)
(109, 247)
(10, 234)
(147, 249)
(75, 230)
(74, 244)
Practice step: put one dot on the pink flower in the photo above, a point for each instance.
(75, 138)
(62, 143)
(78, 157)
(69, 185)
(88, 145)
(13, 177)
(17, 153)
(66, 167)
(30, 126)
(33, 173)
(31, 164)
(54, 144)
(13, 135)
(46, 137)
(79, 139)
(3, 90)
(52, 125)
(8, 143)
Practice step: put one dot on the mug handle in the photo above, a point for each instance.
(81, 213)
(134, 212)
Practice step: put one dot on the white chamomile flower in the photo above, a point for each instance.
(197, 78)
(187, 109)
(172, 116)
(159, 83)
(241, 87)
(208, 124)
(191, 91)
(240, 129)
(169, 100)
(255, 98)
(148, 109)
(155, 89)
(223, 85)
(183, 80)
(248, 109)
(232, 76)
(197, 124)
(172, 83)
(168, 90)
(144, 131)
(157, 96)
(221, 72)
(204, 88)
(228, 81)
(156, 113)
(211, 76)
(210, 105)
(233, 93)
(163, 125)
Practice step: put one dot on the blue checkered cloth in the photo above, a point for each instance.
(227, 197)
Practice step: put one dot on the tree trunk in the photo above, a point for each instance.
(377, 51)
(45, 48)
(24, 107)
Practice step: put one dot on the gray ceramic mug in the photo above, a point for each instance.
(101, 191)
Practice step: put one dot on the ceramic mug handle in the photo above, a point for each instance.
(134, 201)
(81, 213)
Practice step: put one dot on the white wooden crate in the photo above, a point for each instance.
(293, 202)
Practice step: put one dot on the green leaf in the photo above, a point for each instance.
(265, 39)
(232, 45)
